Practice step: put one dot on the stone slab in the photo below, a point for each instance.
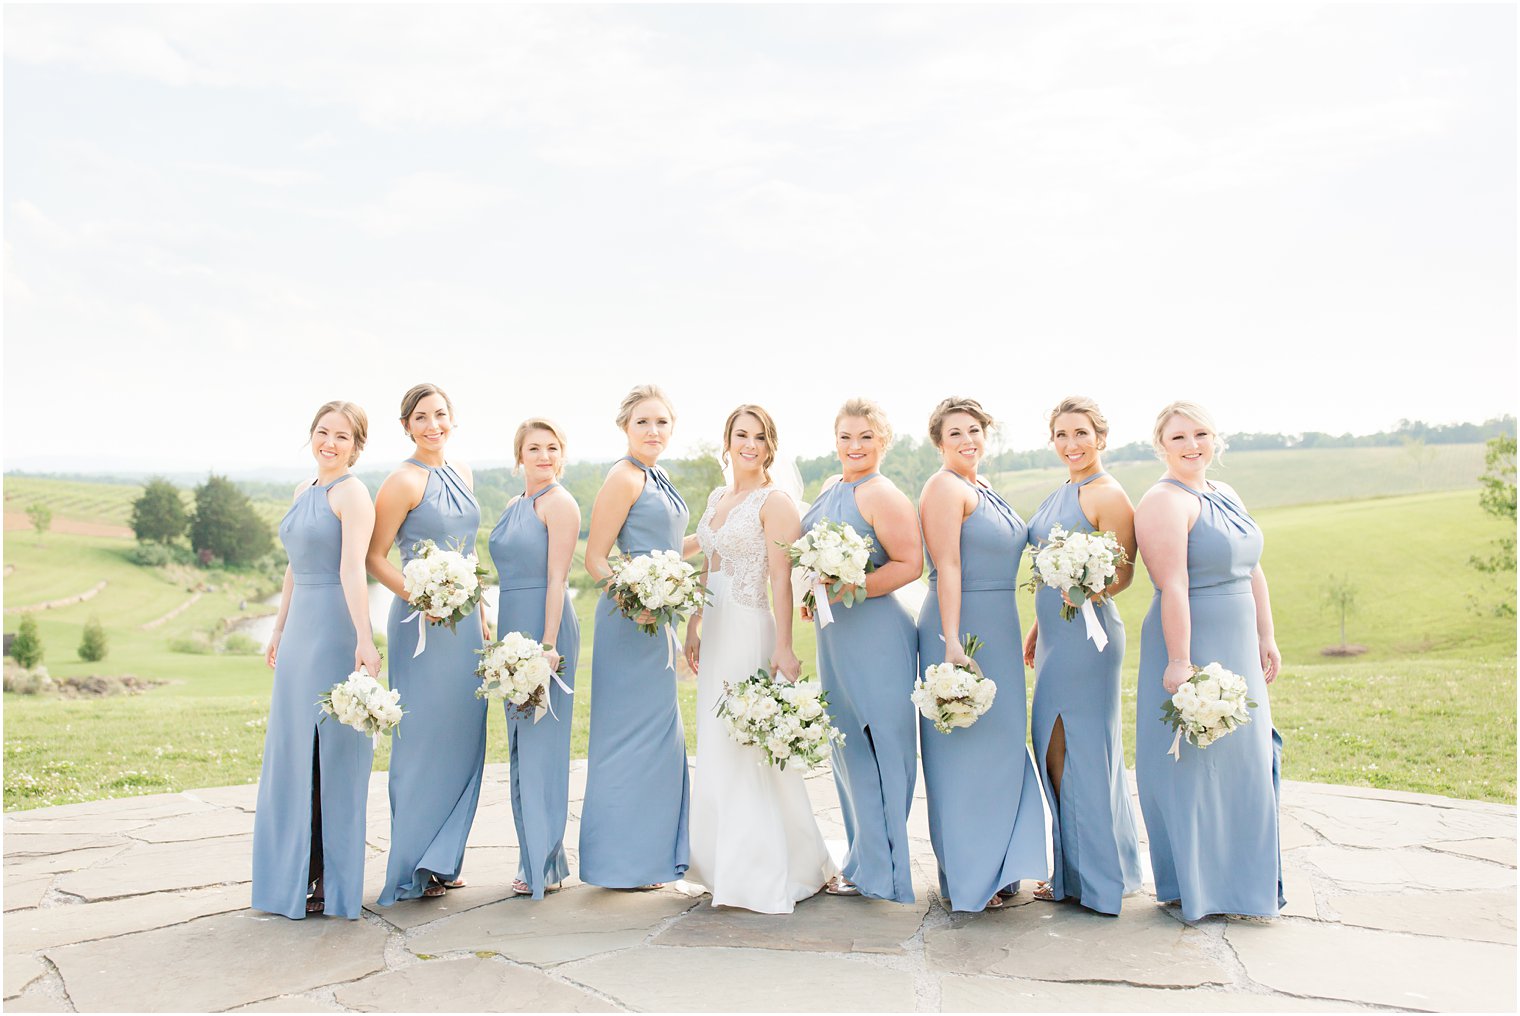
(658, 979)
(1292, 834)
(1143, 945)
(1407, 971)
(1483, 915)
(164, 867)
(567, 925)
(1359, 822)
(820, 924)
(31, 866)
(149, 807)
(21, 970)
(1298, 792)
(239, 958)
(493, 827)
(25, 892)
(472, 984)
(31, 930)
(222, 822)
(244, 796)
(37, 1001)
(289, 1003)
(1298, 889)
(960, 993)
(19, 842)
(1500, 851)
(488, 872)
(1405, 868)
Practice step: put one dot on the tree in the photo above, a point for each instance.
(1498, 499)
(41, 516)
(26, 648)
(159, 514)
(92, 647)
(1340, 596)
(225, 524)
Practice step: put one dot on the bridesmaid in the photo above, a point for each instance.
(1077, 738)
(308, 831)
(866, 662)
(436, 761)
(532, 546)
(985, 817)
(633, 820)
(1211, 816)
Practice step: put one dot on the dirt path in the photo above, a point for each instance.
(172, 614)
(74, 527)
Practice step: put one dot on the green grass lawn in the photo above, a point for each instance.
(104, 503)
(1430, 707)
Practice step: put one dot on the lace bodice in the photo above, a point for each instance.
(737, 548)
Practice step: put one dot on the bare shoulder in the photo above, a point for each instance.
(406, 486)
(1109, 495)
(301, 488)
(624, 476)
(778, 505)
(559, 503)
(351, 492)
(831, 482)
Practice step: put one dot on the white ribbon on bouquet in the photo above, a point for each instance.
(422, 626)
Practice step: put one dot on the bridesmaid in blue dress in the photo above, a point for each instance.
(308, 830)
(633, 819)
(437, 759)
(985, 817)
(866, 662)
(1212, 816)
(1077, 738)
(532, 546)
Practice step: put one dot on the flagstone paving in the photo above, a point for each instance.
(1396, 902)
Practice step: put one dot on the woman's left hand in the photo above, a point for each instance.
(786, 663)
(1271, 660)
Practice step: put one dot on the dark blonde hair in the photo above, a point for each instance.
(356, 419)
(531, 424)
(767, 434)
(956, 404)
(416, 394)
(640, 393)
(1082, 404)
(870, 412)
(1193, 411)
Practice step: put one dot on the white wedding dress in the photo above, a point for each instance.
(754, 842)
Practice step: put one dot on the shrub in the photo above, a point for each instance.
(26, 648)
(92, 646)
(241, 644)
(28, 681)
(196, 644)
(159, 514)
(157, 555)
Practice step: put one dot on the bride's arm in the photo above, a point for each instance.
(782, 527)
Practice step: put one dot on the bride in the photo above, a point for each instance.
(754, 843)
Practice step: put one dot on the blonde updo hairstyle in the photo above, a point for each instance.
(1193, 411)
(527, 427)
(767, 433)
(416, 394)
(638, 394)
(357, 420)
(957, 404)
(870, 412)
(1088, 408)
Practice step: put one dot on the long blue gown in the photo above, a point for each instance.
(316, 652)
(439, 749)
(1211, 816)
(1095, 848)
(633, 820)
(539, 752)
(866, 662)
(985, 817)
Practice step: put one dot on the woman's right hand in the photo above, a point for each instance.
(367, 658)
(693, 650)
(807, 613)
(1176, 675)
(273, 648)
(1029, 644)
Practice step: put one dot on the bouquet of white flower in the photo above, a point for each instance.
(439, 583)
(1079, 565)
(950, 696)
(834, 559)
(514, 669)
(787, 722)
(361, 703)
(660, 584)
(1210, 705)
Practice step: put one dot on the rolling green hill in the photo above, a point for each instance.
(102, 503)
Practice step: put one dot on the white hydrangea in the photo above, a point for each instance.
(788, 723)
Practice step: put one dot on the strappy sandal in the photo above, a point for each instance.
(458, 883)
(314, 900)
(522, 888)
(841, 886)
(1044, 891)
(647, 888)
(434, 889)
(995, 903)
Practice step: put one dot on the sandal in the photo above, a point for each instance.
(315, 904)
(434, 889)
(646, 888)
(841, 886)
(522, 888)
(995, 903)
(1044, 891)
(458, 883)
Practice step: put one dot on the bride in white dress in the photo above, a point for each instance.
(754, 842)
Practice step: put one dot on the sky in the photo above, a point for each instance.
(216, 218)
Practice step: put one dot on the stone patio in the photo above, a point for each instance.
(1396, 901)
